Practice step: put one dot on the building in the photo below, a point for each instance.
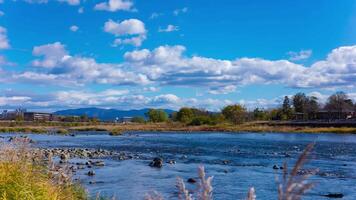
(37, 116)
(126, 120)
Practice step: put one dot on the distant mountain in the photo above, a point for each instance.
(106, 114)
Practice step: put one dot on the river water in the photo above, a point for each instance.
(237, 161)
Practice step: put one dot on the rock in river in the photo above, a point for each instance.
(334, 195)
(157, 162)
(191, 180)
(91, 173)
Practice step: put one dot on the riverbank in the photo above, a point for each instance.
(117, 129)
(27, 173)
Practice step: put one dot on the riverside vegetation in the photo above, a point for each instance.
(234, 118)
(29, 173)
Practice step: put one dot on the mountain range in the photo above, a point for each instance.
(106, 114)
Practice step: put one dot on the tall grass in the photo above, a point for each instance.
(27, 175)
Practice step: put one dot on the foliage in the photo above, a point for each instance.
(138, 119)
(157, 115)
(185, 115)
(260, 114)
(234, 113)
(286, 109)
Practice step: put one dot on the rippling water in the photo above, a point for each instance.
(250, 158)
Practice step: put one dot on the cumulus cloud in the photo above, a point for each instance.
(301, 55)
(169, 28)
(130, 31)
(57, 66)
(74, 28)
(4, 42)
(115, 5)
(168, 65)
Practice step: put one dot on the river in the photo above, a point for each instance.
(237, 161)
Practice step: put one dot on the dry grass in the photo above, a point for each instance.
(117, 129)
(26, 174)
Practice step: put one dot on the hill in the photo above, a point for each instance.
(106, 114)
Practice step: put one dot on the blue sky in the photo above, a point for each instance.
(126, 54)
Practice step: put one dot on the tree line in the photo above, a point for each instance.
(297, 107)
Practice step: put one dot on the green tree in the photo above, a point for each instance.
(157, 115)
(234, 113)
(286, 109)
(260, 114)
(299, 102)
(138, 119)
(185, 115)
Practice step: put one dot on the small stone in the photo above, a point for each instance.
(171, 162)
(191, 180)
(91, 173)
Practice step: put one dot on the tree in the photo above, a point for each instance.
(299, 102)
(185, 115)
(312, 107)
(339, 102)
(138, 119)
(234, 113)
(286, 108)
(157, 115)
(260, 114)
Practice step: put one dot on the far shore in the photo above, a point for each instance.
(117, 128)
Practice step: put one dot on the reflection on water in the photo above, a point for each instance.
(237, 162)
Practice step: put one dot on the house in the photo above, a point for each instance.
(125, 120)
(37, 116)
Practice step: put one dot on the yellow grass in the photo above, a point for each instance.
(23, 175)
(117, 129)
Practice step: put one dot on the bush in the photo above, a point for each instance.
(236, 114)
(138, 120)
(157, 115)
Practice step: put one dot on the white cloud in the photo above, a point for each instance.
(180, 11)
(301, 55)
(71, 2)
(223, 90)
(169, 28)
(4, 42)
(167, 65)
(126, 27)
(52, 55)
(59, 67)
(74, 28)
(155, 15)
(133, 29)
(115, 5)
